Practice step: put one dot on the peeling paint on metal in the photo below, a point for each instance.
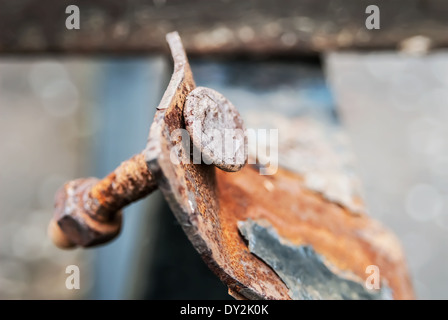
(304, 271)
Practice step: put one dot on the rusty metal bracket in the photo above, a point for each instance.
(209, 204)
(279, 236)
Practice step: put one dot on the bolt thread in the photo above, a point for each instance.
(129, 182)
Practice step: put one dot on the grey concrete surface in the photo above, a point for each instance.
(43, 134)
(395, 110)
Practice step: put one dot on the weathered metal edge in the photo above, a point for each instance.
(180, 85)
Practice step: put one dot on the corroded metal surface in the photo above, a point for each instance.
(72, 223)
(88, 211)
(220, 27)
(303, 270)
(303, 217)
(210, 120)
(208, 203)
(192, 194)
(129, 182)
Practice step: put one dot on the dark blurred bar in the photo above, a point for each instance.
(263, 27)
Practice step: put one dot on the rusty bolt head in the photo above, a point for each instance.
(216, 129)
(73, 225)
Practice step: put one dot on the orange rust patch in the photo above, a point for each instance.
(208, 203)
(349, 242)
(127, 183)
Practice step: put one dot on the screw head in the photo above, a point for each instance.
(216, 129)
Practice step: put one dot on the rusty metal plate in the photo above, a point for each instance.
(210, 205)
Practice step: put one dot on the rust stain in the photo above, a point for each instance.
(73, 223)
(190, 191)
(304, 217)
(88, 211)
(208, 203)
(128, 182)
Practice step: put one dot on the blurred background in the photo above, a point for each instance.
(76, 103)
